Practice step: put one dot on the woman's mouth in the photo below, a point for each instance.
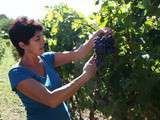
(42, 47)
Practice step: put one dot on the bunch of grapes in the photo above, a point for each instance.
(104, 45)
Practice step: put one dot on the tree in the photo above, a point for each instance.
(4, 25)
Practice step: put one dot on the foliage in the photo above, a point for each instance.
(127, 85)
(66, 30)
(5, 22)
(2, 48)
(4, 26)
(131, 76)
(63, 31)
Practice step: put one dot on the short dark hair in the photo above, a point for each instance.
(22, 30)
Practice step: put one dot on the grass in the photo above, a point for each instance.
(10, 105)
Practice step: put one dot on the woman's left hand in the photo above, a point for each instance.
(101, 32)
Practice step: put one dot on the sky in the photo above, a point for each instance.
(36, 8)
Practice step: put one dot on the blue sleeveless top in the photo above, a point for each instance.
(51, 80)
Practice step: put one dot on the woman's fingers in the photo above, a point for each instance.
(93, 59)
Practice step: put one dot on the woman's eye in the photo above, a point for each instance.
(37, 39)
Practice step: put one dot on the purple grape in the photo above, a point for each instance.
(104, 45)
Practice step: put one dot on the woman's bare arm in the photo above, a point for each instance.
(69, 56)
(40, 93)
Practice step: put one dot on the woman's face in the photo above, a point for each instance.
(36, 44)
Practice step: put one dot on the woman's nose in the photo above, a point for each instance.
(42, 40)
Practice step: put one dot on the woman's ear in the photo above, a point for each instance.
(21, 45)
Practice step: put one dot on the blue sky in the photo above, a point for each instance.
(35, 8)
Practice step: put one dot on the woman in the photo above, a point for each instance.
(34, 77)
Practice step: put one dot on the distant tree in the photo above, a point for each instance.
(4, 25)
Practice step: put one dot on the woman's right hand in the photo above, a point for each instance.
(90, 67)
